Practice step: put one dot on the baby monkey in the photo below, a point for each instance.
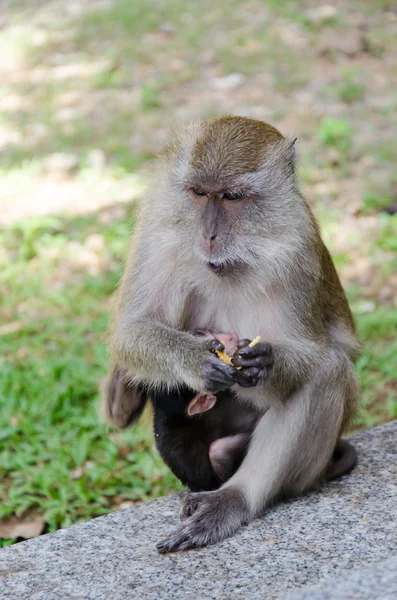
(203, 437)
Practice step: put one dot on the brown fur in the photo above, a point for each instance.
(237, 134)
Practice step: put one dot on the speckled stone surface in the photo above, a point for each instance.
(373, 582)
(347, 524)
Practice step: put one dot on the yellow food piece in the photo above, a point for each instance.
(225, 358)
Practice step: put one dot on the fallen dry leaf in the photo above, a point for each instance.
(16, 528)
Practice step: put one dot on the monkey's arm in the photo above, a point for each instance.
(284, 367)
(155, 353)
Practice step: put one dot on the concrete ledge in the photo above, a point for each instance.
(346, 525)
(377, 581)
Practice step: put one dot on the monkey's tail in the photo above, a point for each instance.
(343, 460)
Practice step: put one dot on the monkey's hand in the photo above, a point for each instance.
(207, 518)
(217, 376)
(254, 362)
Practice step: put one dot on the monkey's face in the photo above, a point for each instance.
(220, 210)
(237, 199)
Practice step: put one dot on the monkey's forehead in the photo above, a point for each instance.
(231, 146)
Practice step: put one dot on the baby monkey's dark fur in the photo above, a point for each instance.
(184, 442)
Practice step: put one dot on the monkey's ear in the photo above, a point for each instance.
(201, 403)
(291, 149)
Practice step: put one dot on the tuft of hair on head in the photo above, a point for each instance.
(231, 146)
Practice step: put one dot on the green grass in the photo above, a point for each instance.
(375, 201)
(51, 368)
(376, 323)
(349, 88)
(376, 366)
(337, 133)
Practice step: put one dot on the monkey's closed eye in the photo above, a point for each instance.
(233, 195)
(198, 192)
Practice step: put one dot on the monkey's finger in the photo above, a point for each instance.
(243, 343)
(221, 372)
(217, 376)
(215, 345)
(257, 361)
(177, 545)
(250, 372)
(190, 544)
(261, 349)
(248, 377)
(248, 383)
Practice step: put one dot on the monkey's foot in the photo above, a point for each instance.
(207, 518)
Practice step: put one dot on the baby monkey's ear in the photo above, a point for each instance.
(201, 403)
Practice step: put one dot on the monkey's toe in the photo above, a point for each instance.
(190, 505)
(173, 542)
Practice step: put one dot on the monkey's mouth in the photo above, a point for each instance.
(216, 267)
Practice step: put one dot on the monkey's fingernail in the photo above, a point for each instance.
(243, 343)
(160, 545)
(216, 345)
(254, 372)
(244, 350)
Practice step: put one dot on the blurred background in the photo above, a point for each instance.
(90, 90)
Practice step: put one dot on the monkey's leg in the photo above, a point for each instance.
(227, 453)
(289, 452)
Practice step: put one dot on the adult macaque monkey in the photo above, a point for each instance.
(226, 243)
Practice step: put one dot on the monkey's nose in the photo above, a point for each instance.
(215, 267)
(209, 237)
(208, 244)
